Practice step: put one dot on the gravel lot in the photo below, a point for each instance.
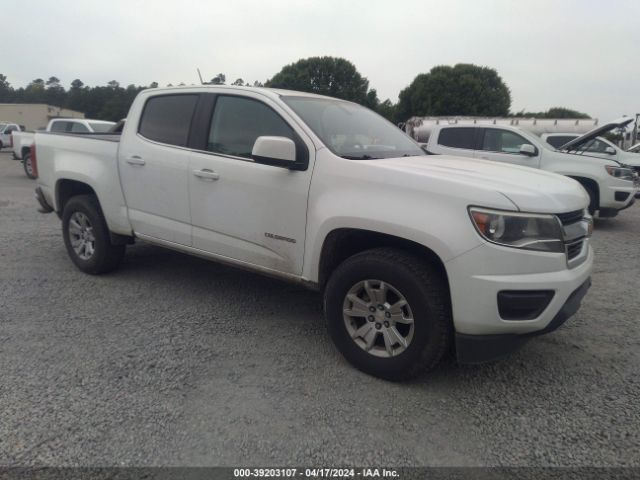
(173, 360)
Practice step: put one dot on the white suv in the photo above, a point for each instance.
(611, 186)
(596, 147)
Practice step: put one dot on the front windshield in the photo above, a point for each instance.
(99, 127)
(597, 146)
(2, 126)
(352, 131)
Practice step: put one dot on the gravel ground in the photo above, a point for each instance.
(173, 360)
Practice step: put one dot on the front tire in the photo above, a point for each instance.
(28, 166)
(389, 313)
(86, 236)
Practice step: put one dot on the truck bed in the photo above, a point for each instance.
(84, 158)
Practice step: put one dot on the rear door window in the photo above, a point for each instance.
(458, 138)
(78, 128)
(60, 126)
(167, 118)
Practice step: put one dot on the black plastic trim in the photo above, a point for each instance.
(276, 162)
(44, 206)
(523, 304)
(621, 196)
(473, 349)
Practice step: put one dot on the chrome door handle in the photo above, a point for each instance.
(206, 174)
(135, 160)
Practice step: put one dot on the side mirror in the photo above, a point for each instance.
(610, 150)
(276, 151)
(528, 150)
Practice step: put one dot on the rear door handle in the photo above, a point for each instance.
(135, 160)
(206, 174)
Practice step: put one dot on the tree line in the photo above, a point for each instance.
(459, 90)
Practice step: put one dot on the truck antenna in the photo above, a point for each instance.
(200, 75)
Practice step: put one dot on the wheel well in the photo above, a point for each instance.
(25, 151)
(343, 243)
(65, 189)
(591, 185)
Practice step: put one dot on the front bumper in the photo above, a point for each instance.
(609, 197)
(477, 277)
(486, 348)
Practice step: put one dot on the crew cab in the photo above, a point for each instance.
(22, 141)
(413, 253)
(611, 186)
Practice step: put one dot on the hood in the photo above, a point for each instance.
(529, 189)
(634, 149)
(628, 159)
(590, 135)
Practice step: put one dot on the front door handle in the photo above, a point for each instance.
(206, 174)
(135, 160)
(484, 158)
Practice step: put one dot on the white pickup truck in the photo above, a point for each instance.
(414, 253)
(21, 141)
(6, 129)
(611, 186)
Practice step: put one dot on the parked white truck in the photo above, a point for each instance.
(21, 141)
(611, 186)
(414, 253)
(6, 129)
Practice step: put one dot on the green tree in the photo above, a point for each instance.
(463, 89)
(562, 112)
(554, 112)
(55, 92)
(35, 92)
(6, 90)
(387, 109)
(238, 82)
(336, 77)
(77, 96)
(219, 79)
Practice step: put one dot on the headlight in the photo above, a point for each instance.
(620, 172)
(520, 230)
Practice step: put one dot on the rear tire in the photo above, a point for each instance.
(87, 238)
(361, 305)
(28, 166)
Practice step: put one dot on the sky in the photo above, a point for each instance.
(580, 54)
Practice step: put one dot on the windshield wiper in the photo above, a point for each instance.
(359, 157)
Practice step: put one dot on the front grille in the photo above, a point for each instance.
(574, 249)
(570, 218)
